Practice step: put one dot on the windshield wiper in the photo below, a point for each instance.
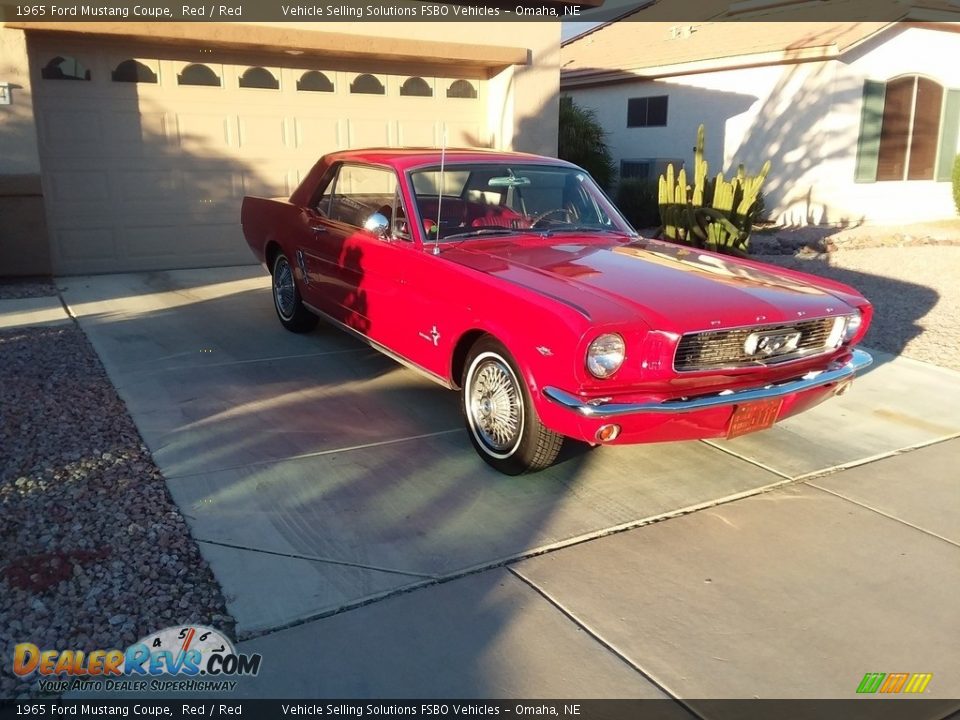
(588, 229)
(480, 231)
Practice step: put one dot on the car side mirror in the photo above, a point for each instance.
(378, 225)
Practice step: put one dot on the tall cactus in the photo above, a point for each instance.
(719, 214)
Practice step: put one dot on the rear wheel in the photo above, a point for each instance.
(501, 420)
(286, 298)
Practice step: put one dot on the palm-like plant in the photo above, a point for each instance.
(583, 142)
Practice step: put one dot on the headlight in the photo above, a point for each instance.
(853, 326)
(605, 355)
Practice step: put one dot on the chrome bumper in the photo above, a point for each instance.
(601, 409)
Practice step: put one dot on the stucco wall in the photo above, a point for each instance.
(804, 117)
(21, 201)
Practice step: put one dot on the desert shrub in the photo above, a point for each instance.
(956, 183)
(638, 200)
(583, 142)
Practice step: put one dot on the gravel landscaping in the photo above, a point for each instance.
(19, 288)
(94, 554)
(915, 291)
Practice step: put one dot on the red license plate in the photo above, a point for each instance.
(753, 416)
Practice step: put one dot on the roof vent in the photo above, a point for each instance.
(678, 32)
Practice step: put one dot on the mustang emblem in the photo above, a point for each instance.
(771, 343)
(433, 336)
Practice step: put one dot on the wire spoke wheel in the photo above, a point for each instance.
(496, 407)
(284, 292)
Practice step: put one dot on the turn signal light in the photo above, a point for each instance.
(608, 433)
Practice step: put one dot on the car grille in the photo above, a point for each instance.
(714, 349)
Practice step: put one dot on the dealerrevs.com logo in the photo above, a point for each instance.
(178, 658)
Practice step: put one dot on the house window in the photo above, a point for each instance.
(367, 85)
(908, 130)
(258, 77)
(198, 75)
(314, 81)
(635, 169)
(64, 67)
(134, 71)
(647, 111)
(416, 87)
(462, 89)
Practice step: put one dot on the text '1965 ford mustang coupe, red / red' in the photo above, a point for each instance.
(513, 279)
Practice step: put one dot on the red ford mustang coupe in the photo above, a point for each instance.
(515, 280)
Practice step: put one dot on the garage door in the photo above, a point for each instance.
(147, 152)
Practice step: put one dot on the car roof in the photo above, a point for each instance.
(405, 158)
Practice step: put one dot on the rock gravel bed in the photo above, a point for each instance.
(915, 292)
(94, 554)
(19, 288)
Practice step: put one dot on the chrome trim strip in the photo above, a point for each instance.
(834, 374)
(380, 348)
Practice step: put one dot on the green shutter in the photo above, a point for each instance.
(949, 131)
(871, 122)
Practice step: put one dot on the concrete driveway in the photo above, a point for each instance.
(319, 476)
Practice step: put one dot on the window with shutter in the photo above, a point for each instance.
(908, 127)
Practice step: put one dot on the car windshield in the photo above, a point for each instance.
(469, 200)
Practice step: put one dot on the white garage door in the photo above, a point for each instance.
(148, 152)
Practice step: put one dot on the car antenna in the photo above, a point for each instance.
(443, 157)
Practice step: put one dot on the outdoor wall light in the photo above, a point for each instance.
(6, 93)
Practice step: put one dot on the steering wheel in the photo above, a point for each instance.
(568, 216)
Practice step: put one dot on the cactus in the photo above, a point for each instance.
(718, 214)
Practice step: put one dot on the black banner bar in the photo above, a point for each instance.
(334, 11)
(856, 709)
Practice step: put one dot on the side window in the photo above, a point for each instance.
(399, 226)
(359, 191)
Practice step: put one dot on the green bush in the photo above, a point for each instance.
(956, 183)
(583, 142)
(638, 200)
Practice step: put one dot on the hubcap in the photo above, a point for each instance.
(284, 293)
(496, 408)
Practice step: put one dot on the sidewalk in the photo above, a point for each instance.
(795, 593)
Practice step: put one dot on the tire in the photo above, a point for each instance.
(286, 298)
(501, 420)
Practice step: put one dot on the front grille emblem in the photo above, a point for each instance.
(766, 344)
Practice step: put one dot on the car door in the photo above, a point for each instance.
(353, 274)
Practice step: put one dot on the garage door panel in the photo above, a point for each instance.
(202, 133)
(148, 185)
(78, 186)
(368, 133)
(86, 244)
(262, 132)
(317, 133)
(75, 131)
(165, 242)
(412, 133)
(138, 133)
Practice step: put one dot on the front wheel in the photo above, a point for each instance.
(286, 298)
(501, 420)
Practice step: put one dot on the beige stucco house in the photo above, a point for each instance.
(129, 146)
(860, 119)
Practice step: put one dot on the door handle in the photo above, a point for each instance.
(317, 228)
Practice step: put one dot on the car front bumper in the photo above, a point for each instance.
(701, 416)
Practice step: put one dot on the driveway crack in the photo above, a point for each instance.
(314, 558)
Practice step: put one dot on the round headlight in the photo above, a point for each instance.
(605, 355)
(853, 326)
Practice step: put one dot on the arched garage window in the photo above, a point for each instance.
(134, 71)
(258, 77)
(908, 130)
(367, 85)
(64, 67)
(416, 87)
(314, 81)
(462, 89)
(197, 74)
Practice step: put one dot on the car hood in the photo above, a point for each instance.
(671, 287)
